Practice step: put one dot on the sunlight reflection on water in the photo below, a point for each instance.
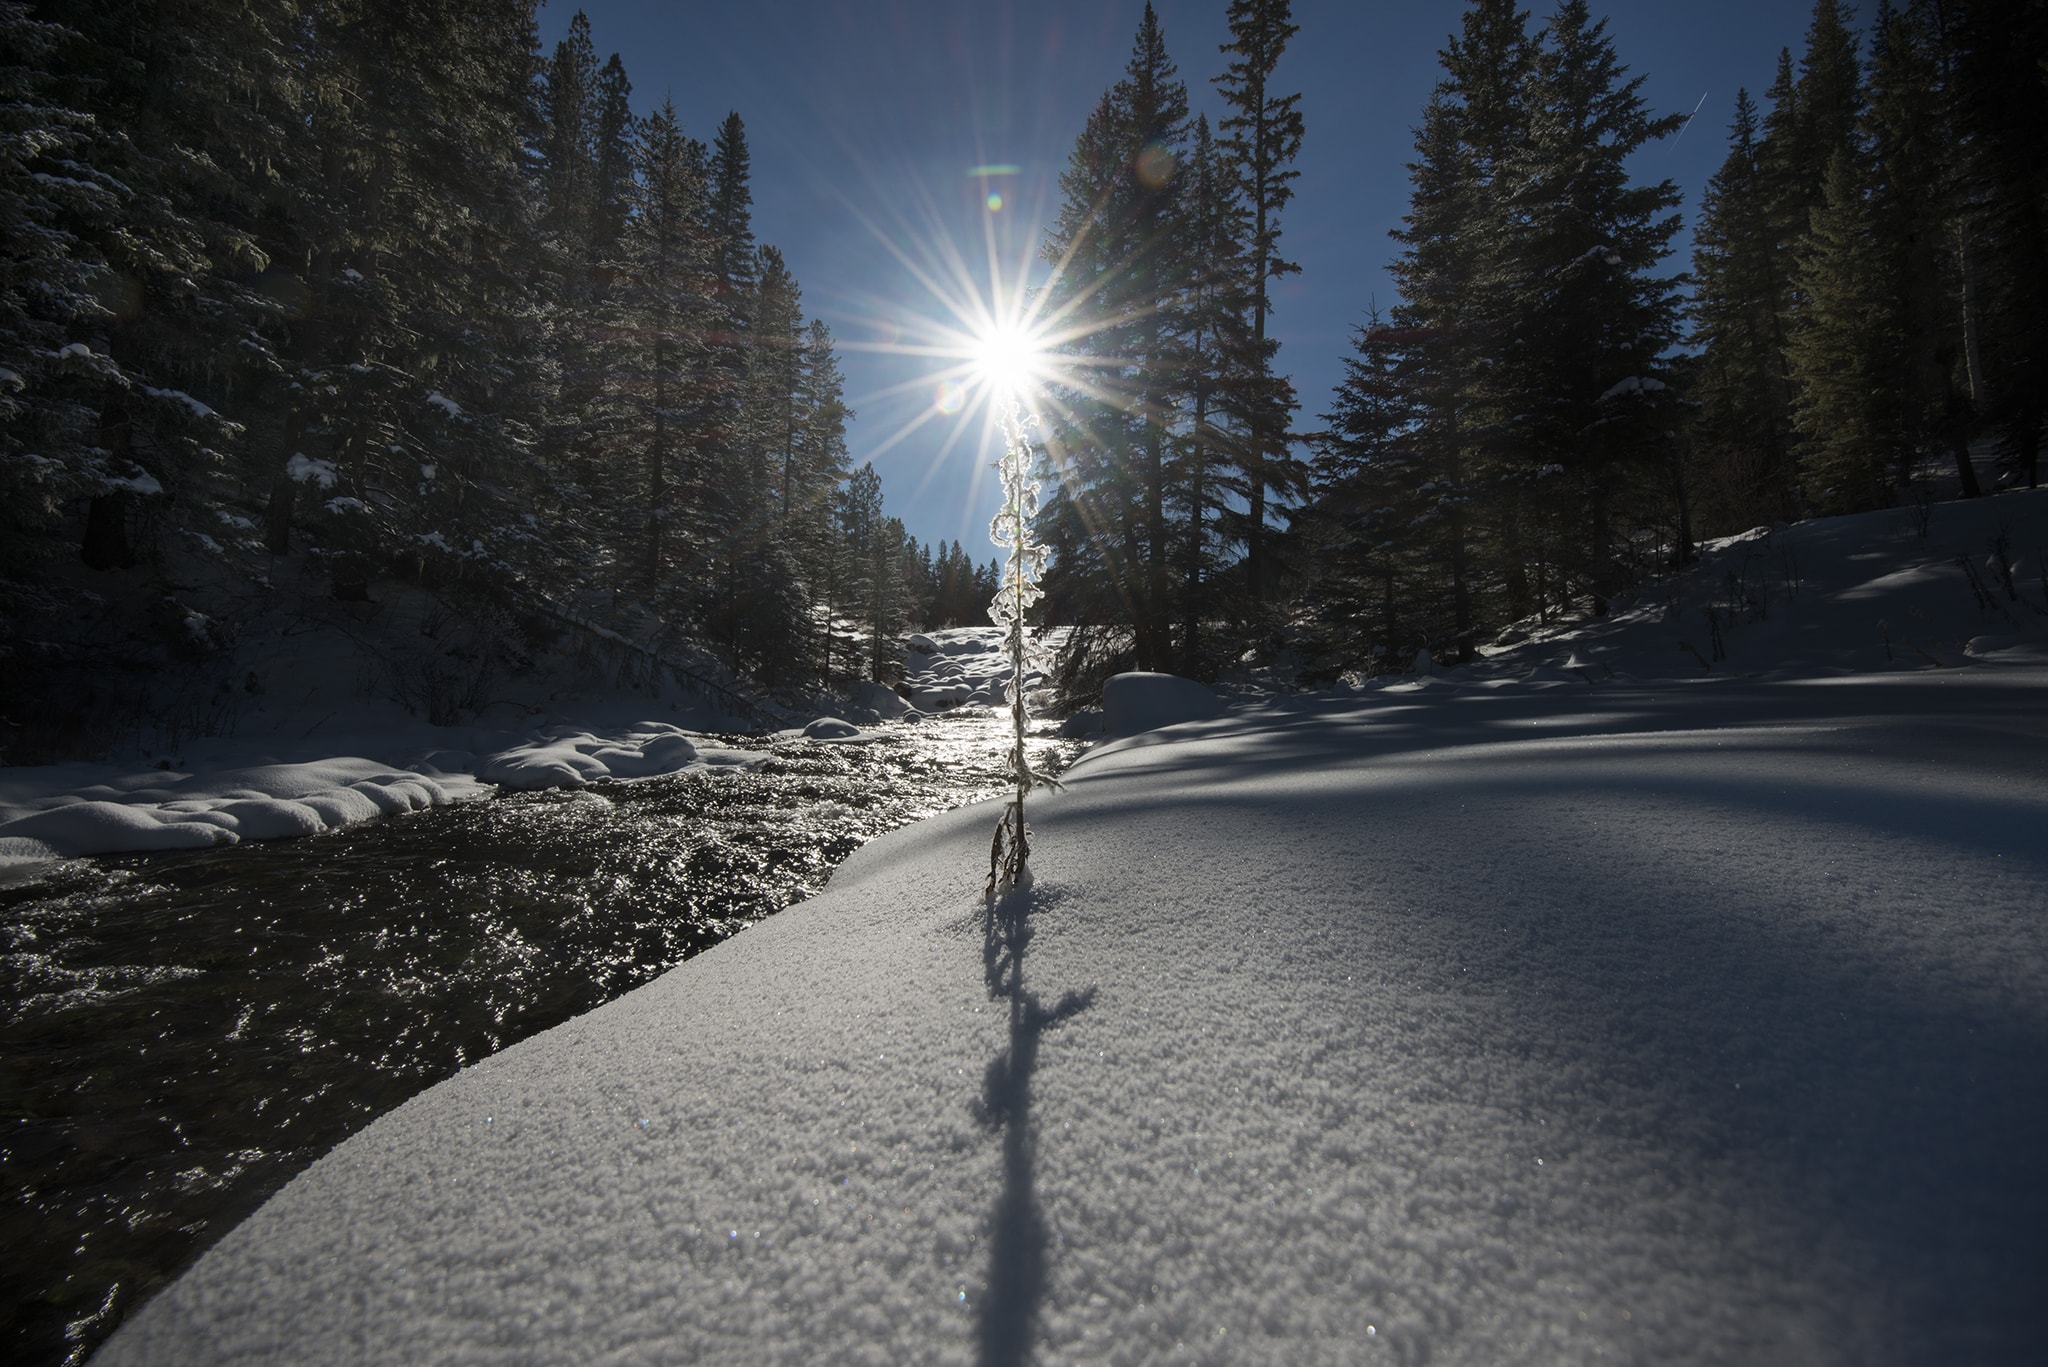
(183, 1033)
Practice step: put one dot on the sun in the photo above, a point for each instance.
(1008, 359)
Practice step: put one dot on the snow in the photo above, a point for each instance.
(303, 469)
(64, 811)
(140, 482)
(568, 757)
(157, 810)
(1634, 384)
(1141, 701)
(1482, 1023)
(183, 400)
(1585, 1005)
(444, 403)
(958, 666)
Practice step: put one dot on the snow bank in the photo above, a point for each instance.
(159, 810)
(1902, 589)
(71, 810)
(1516, 1022)
(1141, 701)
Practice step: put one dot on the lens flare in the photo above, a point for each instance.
(1008, 359)
(995, 201)
(951, 397)
(1155, 165)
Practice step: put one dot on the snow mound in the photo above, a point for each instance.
(161, 810)
(884, 702)
(1141, 701)
(566, 757)
(831, 728)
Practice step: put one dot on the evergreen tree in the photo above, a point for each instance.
(1452, 271)
(659, 315)
(570, 166)
(1914, 211)
(862, 542)
(820, 454)
(1367, 497)
(1262, 137)
(1846, 351)
(1999, 85)
(1741, 424)
(52, 199)
(1215, 383)
(1579, 373)
(1117, 278)
(612, 191)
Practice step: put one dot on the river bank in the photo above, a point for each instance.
(1688, 1024)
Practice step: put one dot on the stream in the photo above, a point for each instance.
(181, 1034)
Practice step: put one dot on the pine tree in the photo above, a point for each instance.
(1261, 138)
(861, 528)
(1913, 209)
(820, 451)
(52, 199)
(1846, 350)
(1999, 84)
(612, 190)
(1742, 423)
(1366, 500)
(660, 314)
(570, 167)
(1117, 278)
(194, 107)
(1580, 373)
(1452, 272)
(1217, 340)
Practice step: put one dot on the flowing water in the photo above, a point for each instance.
(183, 1033)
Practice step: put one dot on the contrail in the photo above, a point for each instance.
(1690, 117)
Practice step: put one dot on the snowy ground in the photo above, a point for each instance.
(1543, 1016)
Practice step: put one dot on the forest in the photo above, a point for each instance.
(302, 297)
(1555, 411)
(381, 291)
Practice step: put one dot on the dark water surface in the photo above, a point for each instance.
(180, 1034)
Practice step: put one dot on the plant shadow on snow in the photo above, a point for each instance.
(1017, 1236)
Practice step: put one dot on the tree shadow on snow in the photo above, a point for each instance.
(1017, 1236)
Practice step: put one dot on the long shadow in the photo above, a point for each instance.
(1886, 1111)
(1017, 1239)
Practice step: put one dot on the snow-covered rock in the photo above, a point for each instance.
(831, 728)
(165, 810)
(1141, 701)
(880, 699)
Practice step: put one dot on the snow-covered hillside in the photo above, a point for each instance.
(1541, 1015)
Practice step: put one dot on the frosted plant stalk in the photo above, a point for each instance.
(1009, 854)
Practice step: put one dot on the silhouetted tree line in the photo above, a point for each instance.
(1545, 416)
(380, 285)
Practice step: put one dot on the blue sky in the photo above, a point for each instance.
(864, 118)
